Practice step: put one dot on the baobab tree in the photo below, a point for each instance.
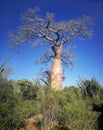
(57, 36)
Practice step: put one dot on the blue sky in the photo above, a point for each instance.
(89, 54)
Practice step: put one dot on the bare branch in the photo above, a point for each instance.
(48, 38)
(56, 33)
(46, 57)
(54, 50)
(45, 77)
(49, 29)
(67, 57)
(66, 40)
(37, 43)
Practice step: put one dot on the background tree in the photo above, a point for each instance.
(7, 72)
(57, 36)
(90, 88)
(2, 66)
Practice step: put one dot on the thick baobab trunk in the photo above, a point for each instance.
(56, 71)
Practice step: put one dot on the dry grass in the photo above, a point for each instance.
(31, 124)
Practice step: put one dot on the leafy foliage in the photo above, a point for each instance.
(90, 88)
(49, 105)
(56, 110)
(9, 116)
(77, 113)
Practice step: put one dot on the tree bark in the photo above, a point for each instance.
(56, 71)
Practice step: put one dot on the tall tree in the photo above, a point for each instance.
(57, 36)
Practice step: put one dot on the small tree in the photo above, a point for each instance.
(57, 36)
(49, 105)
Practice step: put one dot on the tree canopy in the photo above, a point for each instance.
(46, 31)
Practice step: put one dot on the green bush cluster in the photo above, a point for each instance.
(9, 115)
(69, 109)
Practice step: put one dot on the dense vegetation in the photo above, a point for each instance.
(73, 108)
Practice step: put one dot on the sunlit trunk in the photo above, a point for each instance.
(56, 71)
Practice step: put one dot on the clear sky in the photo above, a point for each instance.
(89, 54)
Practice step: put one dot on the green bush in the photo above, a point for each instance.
(9, 115)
